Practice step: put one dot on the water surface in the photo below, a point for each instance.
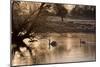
(69, 49)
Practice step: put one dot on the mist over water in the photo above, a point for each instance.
(69, 49)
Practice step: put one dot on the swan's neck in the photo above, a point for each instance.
(49, 43)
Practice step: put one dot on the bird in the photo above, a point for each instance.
(52, 43)
(83, 42)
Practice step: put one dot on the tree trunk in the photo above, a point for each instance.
(62, 19)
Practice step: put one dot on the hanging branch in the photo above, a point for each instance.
(26, 21)
(36, 18)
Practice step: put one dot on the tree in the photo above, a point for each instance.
(77, 11)
(61, 11)
(84, 10)
(89, 11)
(17, 36)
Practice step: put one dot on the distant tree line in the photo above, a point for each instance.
(84, 10)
